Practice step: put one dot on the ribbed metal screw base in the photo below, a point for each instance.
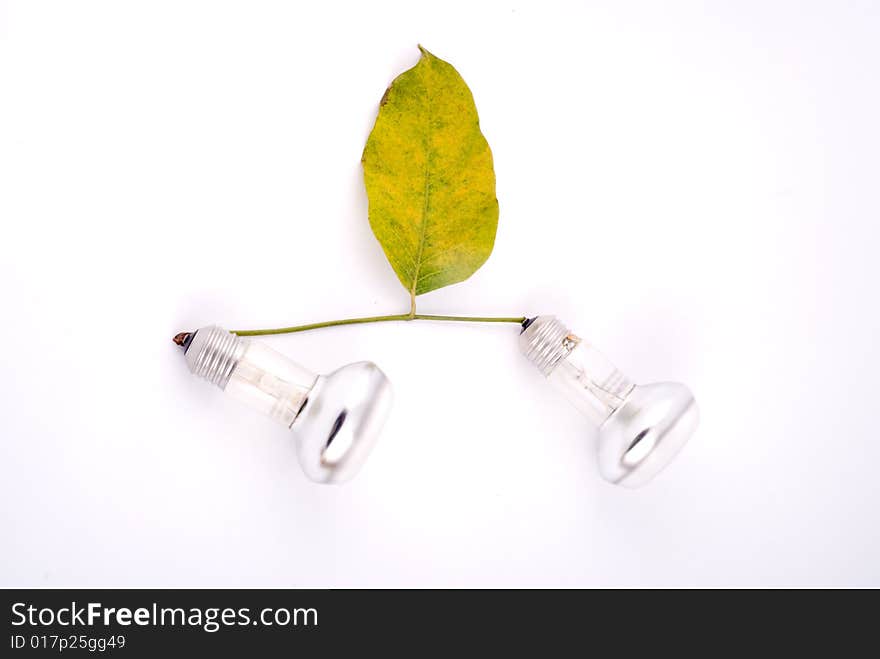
(213, 353)
(546, 341)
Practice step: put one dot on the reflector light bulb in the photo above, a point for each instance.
(335, 418)
(641, 428)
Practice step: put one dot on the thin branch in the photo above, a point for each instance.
(381, 319)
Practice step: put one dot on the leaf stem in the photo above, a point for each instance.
(380, 319)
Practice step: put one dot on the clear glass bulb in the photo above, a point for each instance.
(335, 418)
(641, 428)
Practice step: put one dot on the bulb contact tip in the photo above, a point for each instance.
(182, 339)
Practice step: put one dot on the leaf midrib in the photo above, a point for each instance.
(426, 205)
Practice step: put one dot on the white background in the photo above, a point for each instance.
(693, 186)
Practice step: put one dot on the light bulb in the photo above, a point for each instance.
(335, 418)
(641, 428)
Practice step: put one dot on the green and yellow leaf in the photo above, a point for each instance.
(430, 179)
